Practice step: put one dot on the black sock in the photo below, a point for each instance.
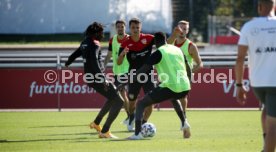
(144, 121)
(128, 115)
(131, 118)
(138, 124)
(98, 120)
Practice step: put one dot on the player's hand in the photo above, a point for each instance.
(66, 65)
(125, 51)
(177, 31)
(241, 95)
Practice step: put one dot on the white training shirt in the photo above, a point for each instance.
(259, 35)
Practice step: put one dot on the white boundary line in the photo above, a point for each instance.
(97, 109)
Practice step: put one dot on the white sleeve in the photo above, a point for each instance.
(243, 40)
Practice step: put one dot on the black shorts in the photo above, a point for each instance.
(267, 95)
(120, 79)
(134, 89)
(160, 94)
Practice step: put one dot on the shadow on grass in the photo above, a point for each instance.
(85, 133)
(59, 126)
(71, 140)
(110, 140)
(42, 140)
(73, 134)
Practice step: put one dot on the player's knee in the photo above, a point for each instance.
(145, 102)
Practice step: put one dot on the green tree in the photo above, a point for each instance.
(235, 8)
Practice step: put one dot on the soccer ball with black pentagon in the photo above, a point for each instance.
(148, 130)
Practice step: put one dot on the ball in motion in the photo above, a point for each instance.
(148, 130)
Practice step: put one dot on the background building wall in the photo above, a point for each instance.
(71, 16)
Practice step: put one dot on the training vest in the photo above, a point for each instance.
(171, 69)
(185, 50)
(118, 69)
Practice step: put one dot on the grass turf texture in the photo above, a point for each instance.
(212, 131)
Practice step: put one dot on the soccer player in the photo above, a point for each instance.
(190, 50)
(257, 39)
(137, 48)
(90, 51)
(119, 71)
(168, 60)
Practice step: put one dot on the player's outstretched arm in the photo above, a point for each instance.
(72, 57)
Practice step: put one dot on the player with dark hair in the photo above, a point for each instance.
(119, 71)
(168, 60)
(139, 48)
(90, 51)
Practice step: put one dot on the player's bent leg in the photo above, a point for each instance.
(134, 89)
(147, 112)
(148, 87)
(184, 104)
(104, 110)
(130, 125)
(113, 113)
(96, 123)
(116, 105)
(126, 105)
(141, 105)
(179, 111)
(186, 128)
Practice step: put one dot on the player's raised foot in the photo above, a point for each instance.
(107, 135)
(98, 128)
(186, 130)
(136, 137)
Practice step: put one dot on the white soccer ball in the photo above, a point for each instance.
(148, 130)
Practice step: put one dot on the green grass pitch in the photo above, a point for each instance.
(212, 131)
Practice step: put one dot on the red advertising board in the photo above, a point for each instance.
(36, 88)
